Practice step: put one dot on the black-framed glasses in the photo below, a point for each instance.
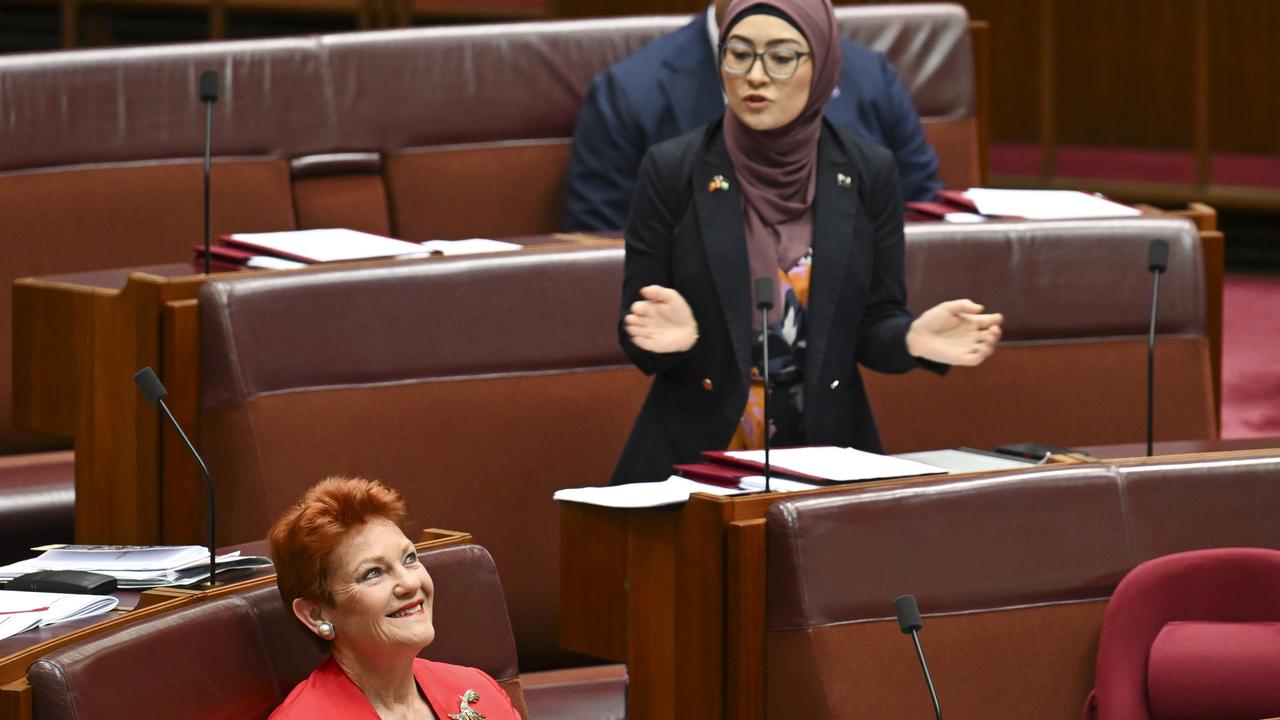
(780, 63)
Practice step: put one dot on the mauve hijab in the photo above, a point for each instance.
(777, 168)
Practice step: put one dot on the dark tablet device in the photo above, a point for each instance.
(79, 582)
(1036, 451)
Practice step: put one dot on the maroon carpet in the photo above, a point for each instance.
(1251, 356)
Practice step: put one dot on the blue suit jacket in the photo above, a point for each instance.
(671, 86)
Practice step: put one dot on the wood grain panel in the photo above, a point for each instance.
(1244, 73)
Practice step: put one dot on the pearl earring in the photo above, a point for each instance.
(325, 629)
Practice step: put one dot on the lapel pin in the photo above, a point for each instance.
(465, 711)
(717, 183)
(843, 180)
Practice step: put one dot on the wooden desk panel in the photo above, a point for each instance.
(713, 612)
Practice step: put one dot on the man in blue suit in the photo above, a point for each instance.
(672, 86)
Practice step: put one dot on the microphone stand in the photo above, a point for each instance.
(1157, 261)
(764, 323)
(1151, 364)
(154, 391)
(208, 482)
(209, 96)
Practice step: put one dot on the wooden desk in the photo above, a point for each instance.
(678, 594)
(78, 340)
(17, 653)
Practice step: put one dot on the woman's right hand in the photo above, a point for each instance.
(661, 321)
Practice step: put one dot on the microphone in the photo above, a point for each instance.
(209, 96)
(1157, 262)
(764, 303)
(910, 623)
(153, 390)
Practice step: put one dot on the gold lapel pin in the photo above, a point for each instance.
(843, 180)
(717, 183)
(465, 711)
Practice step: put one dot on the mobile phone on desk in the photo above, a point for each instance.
(1036, 451)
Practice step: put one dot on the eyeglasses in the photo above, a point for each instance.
(737, 58)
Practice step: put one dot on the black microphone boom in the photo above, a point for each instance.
(910, 623)
(208, 96)
(1157, 262)
(764, 303)
(153, 390)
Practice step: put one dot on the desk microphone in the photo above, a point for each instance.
(153, 390)
(764, 303)
(910, 623)
(1157, 262)
(209, 96)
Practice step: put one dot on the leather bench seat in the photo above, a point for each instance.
(240, 655)
(37, 502)
(1012, 573)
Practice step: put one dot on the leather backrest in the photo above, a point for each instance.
(240, 655)
(1011, 571)
(475, 387)
(442, 132)
(1071, 367)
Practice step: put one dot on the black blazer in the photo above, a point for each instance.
(682, 235)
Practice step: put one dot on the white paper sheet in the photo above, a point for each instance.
(838, 464)
(755, 483)
(672, 491)
(470, 246)
(23, 611)
(328, 244)
(1046, 204)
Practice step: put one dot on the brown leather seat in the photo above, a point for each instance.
(1011, 572)
(1071, 367)
(238, 656)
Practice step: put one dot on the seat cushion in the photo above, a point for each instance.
(1215, 671)
(585, 693)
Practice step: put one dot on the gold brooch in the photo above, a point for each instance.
(717, 183)
(465, 711)
(843, 180)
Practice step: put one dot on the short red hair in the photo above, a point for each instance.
(304, 538)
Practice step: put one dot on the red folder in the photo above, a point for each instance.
(750, 467)
(713, 473)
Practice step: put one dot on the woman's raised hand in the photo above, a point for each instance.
(661, 321)
(955, 332)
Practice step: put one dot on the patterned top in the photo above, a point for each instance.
(786, 336)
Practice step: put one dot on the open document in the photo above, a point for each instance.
(672, 491)
(135, 566)
(23, 611)
(828, 463)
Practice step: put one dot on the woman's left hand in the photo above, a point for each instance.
(955, 333)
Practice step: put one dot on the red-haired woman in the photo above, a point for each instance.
(353, 579)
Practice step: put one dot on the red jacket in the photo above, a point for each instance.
(329, 693)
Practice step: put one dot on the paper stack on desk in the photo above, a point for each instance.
(134, 566)
(23, 611)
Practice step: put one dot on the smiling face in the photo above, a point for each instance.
(759, 101)
(382, 595)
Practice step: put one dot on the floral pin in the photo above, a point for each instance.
(465, 711)
(717, 183)
(843, 180)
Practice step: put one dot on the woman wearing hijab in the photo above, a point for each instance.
(772, 190)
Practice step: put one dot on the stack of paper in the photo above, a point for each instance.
(23, 611)
(672, 491)
(134, 566)
(828, 463)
